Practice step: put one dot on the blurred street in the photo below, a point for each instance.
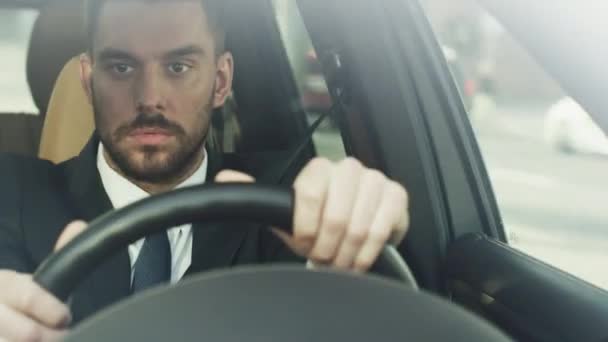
(553, 204)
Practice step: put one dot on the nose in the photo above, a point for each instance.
(149, 93)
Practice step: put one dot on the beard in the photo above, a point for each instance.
(150, 163)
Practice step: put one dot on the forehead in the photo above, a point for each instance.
(151, 27)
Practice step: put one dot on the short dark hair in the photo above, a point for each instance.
(214, 11)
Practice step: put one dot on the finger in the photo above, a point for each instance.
(401, 198)
(22, 294)
(337, 210)
(310, 189)
(69, 233)
(15, 326)
(367, 202)
(231, 176)
(386, 221)
(402, 227)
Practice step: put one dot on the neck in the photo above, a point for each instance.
(160, 187)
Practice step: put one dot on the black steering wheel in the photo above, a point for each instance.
(269, 302)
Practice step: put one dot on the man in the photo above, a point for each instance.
(154, 72)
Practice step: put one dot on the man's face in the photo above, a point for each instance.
(153, 79)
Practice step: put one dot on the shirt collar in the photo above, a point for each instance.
(122, 192)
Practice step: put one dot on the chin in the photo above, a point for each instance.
(148, 160)
(151, 173)
(143, 165)
(152, 163)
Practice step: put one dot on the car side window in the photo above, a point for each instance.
(15, 28)
(546, 157)
(314, 95)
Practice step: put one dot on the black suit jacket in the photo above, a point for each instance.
(38, 199)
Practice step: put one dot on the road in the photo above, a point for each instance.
(553, 205)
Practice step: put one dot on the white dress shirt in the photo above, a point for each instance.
(122, 193)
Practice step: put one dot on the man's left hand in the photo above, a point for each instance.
(344, 213)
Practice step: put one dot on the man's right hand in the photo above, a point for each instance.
(27, 311)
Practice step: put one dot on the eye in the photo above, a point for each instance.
(178, 68)
(121, 68)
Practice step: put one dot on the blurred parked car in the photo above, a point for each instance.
(467, 86)
(570, 129)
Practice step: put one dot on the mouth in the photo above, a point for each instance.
(150, 136)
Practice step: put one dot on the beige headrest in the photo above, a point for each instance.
(69, 122)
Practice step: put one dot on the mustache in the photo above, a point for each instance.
(155, 120)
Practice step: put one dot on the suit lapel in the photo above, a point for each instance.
(111, 281)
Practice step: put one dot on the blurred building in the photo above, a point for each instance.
(487, 53)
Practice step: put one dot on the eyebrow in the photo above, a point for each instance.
(111, 53)
(184, 51)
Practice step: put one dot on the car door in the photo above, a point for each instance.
(400, 110)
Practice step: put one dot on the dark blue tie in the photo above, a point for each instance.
(153, 265)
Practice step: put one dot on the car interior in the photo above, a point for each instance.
(397, 109)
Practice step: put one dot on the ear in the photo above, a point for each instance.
(223, 79)
(86, 75)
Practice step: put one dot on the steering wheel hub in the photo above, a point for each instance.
(285, 303)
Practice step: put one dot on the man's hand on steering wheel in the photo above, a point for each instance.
(344, 213)
(27, 311)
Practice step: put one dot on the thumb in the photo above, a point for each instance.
(231, 176)
(300, 249)
(69, 233)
